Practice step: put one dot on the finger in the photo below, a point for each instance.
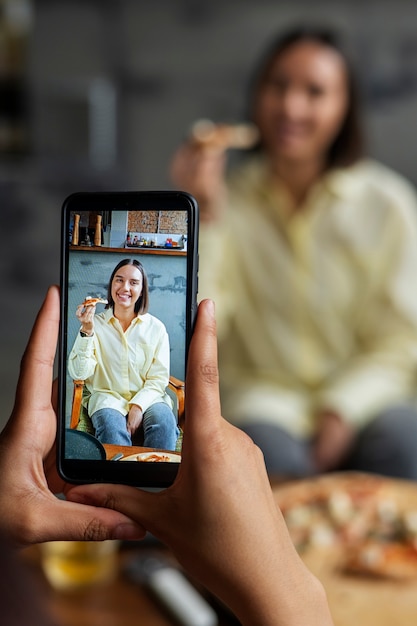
(36, 371)
(141, 506)
(202, 398)
(72, 521)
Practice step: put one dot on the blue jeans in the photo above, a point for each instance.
(387, 446)
(160, 428)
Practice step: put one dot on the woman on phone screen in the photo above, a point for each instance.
(123, 356)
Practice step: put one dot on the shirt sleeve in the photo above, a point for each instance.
(157, 376)
(82, 361)
(383, 371)
(216, 272)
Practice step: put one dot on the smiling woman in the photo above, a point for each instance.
(301, 103)
(123, 356)
(305, 103)
(128, 291)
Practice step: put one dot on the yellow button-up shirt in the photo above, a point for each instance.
(122, 368)
(316, 308)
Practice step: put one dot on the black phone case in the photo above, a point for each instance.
(141, 474)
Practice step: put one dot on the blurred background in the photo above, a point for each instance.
(97, 94)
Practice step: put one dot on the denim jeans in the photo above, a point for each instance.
(159, 427)
(387, 446)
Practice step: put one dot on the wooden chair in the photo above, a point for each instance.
(79, 414)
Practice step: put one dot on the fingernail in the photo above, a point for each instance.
(129, 532)
(79, 498)
(211, 308)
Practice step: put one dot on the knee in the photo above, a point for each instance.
(161, 415)
(396, 424)
(389, 444)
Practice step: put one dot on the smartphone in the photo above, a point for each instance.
(128, 303)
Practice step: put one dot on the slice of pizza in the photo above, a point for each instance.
(224, 136)
(156, 458)
(90, 301)
(394, 559)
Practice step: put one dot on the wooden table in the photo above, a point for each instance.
(116, 603)
(112, 449)
(360, 601)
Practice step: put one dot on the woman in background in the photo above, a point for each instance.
(310, 252)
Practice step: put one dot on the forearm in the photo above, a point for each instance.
(283, 596)
(262, 578)
(82, 362)
(312, 610)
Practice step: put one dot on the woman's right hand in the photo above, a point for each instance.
(85, 315)
(199, 169)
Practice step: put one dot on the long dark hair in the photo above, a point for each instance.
(348, 146)
(142, 303)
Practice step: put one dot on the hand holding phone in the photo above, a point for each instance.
(128, 306)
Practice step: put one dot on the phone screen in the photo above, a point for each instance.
(128, 292)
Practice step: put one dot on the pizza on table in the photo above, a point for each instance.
(372, 520)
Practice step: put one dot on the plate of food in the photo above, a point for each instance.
(154, 457)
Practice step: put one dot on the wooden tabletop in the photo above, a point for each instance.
(112, 449)
(120, 602)
(127, 451)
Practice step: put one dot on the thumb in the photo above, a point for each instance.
(60, 520)
(142, 507)
(36, 370)
(202, 399)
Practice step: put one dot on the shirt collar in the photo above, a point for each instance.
(344, 182)
(340, 182)
(108, 316)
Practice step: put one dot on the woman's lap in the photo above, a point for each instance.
(159, 427)
(387, 446)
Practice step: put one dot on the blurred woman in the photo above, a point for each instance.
(310, 252)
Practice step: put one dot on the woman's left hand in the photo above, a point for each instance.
(30, 512)
(333, 441)
(134, 419)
